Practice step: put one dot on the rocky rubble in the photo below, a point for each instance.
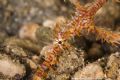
(27, 30)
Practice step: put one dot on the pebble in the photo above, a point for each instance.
(28, 31)
(113, 66)
(9, 68)
(92, 71)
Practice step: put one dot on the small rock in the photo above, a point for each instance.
(29, 31)
(61, 77)
(9, 68)
(91, 71)
(31, 64)
(48, 23)
(51, 23)
(35, 59)
(69, 61)
(95, 51)
(113, 65)
(44, 36)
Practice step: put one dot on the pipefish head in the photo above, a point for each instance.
(59, 40)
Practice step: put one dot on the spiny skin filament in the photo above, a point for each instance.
(81, 21)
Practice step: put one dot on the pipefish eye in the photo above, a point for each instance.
(59, 42)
